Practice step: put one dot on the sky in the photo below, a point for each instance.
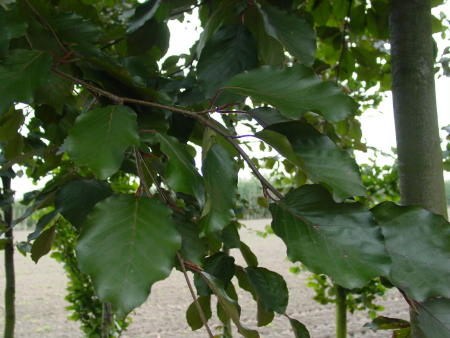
(377, 124)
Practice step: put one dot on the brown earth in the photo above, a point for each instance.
(41, 305)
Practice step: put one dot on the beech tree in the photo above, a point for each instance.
(86, 99)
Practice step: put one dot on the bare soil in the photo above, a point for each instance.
(41, 305)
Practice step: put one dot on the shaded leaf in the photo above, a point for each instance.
(230, 51)
(193, 248)
(220, 198)
(387, 323)
(21, 74)
(434, 317)
(412, 236)
(219, 265)
(267, 116)
(340, 240)
(76, 199)
(263, 317)
(270, 287)
(294, 91)
(300, 330)
(249, 257)
(138, 242)
(294, 32)
(142, 14)
(73, 28)
(43, 244)
(152, 38)
(100, 137)
(10, 123)
(193, 317)
(13, 26)
(320, 159)
(229, 305)
(181, 174)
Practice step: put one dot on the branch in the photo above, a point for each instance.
(191, 290)
(196, 115)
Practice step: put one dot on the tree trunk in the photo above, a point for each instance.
(10, 285)
(416, 124)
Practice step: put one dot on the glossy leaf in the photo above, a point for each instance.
(294, 32)
(300, 330)
(76, 199)
(138, 242)
(43, 244)
(320, 159)
(193, 317)
(181, 174)
(294, 91)
(230, 51)
(21, 74)
(220, 198)
(270, 287)
(229, 305)
(100, 137)
(434, 317)
(412, 236)
(337, 239)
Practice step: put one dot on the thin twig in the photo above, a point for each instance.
(191, 290)
(46, 24)
(192, 114)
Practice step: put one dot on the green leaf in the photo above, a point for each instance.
(43, 244)
(230, 51)
(434, 317)
(270, 287)
(193, 317)
(294, 32)
(76, 199)
(193, 248)
(267, 116)
(229, 305)
(300, 330)
(340, 240)
(219, 265)
(218, 211)
(152, 39)
(143, 13)
(387, 323)
(100, 137)
(249, 257)
(21, 74)
(180, 173)
(262, 316)
(75, 29)
(294, 91)
(320, 159)
(127, 244)
(10, 123)
(412, 236)
(223, 12)
(270, 51)
(13, 26)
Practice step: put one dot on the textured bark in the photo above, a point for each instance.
(10, 285)
(416, 124)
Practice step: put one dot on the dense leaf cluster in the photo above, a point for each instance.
(101, 112)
